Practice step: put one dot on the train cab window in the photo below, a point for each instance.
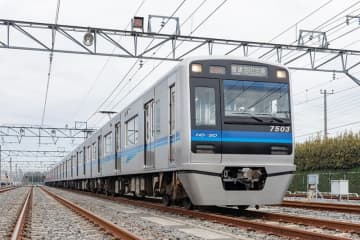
(266, 99)
(132, 131)
(205, 107)
(107, 143)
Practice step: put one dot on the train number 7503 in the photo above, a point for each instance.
(279, 128)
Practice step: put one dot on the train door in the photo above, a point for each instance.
(99, 142)
(149, 153)
(77, 164)
(172, 133)
(206, 127)
(94, 157)
(117, 146)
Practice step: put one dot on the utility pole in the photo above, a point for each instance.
(325, 93)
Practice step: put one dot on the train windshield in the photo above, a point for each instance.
(250, 98)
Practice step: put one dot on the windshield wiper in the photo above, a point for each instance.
(250, 115)
(272, 117)
(277, 119)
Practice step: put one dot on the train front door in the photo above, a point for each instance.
(149, 153)
(206, 134)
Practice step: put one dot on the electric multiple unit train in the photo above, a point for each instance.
(213, 131)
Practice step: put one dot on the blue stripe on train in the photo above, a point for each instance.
(240, 136)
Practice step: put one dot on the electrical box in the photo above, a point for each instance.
(313, 179)
(340, 187)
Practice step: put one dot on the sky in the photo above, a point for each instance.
(80, 83)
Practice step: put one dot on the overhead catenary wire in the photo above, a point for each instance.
(333, 128)
(132, 67)
(93, 84)
(135, 63)
(156, 66)
(50, 63)
(323, 25)
(295, 24)
(183, 23)
(156, 50)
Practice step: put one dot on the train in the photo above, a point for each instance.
(212, 131)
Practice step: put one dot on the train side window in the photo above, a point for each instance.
(205, 111)
(132, 131)
(107, 143)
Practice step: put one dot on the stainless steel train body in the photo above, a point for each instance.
(215, 130)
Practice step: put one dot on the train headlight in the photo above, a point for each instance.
(195, 67)
(280, 73)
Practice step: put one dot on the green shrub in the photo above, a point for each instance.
(341, 152)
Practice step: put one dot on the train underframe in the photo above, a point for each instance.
(163, 184)
(168, 185)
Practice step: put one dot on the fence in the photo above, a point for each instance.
(300, 180)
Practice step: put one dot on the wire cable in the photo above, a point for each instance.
(132, 67)
(93, 84)
(153, 69)
(50, 63)
(295, 24)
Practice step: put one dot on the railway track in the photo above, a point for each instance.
(308, 221)
(18, 230)
(50, 216)
(11, 203)
(235, 221)
(348, 208)
(302, 195)
(6, 189)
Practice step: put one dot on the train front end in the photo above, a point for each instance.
(241, 133)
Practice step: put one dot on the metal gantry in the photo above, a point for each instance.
(25, 131)
(33, 153)
(40, 37)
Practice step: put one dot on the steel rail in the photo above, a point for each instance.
(337, 207)
(21, 219)
(328, 196)
(222, 219)
(6, 189)
(317, 222)
(109, 227)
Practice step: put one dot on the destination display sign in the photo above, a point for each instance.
(249, 70)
